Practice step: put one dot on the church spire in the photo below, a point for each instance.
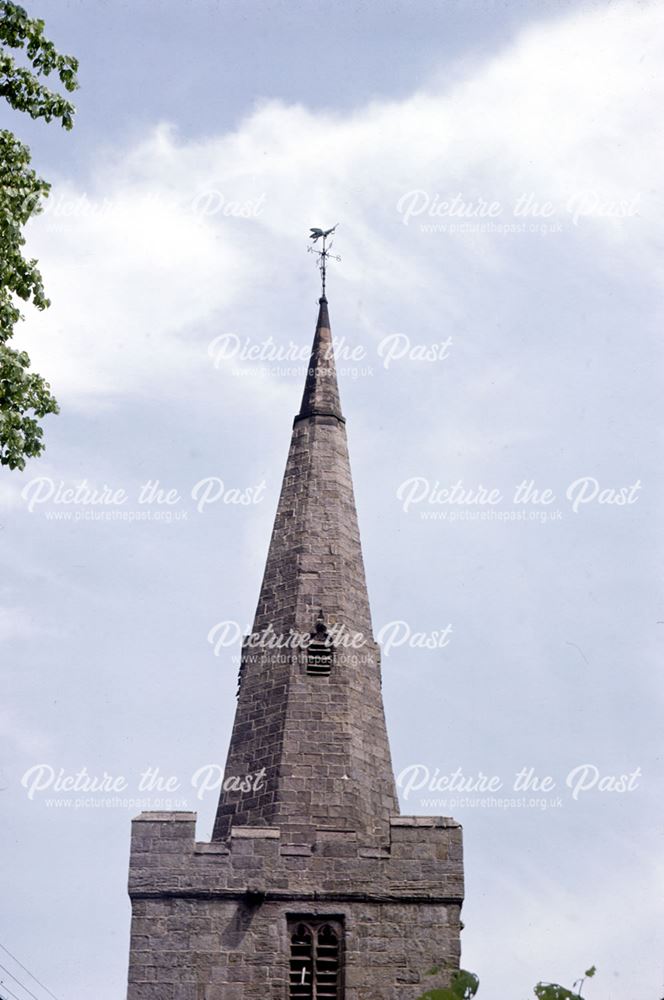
(321, 391)
(315, 887)
(310, 717)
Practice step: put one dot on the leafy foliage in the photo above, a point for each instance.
(25, 397)
(20, 85)
(465, 985)
(553, 991)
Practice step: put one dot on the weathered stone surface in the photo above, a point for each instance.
(319, 835)
(321, 740)
(219, 920)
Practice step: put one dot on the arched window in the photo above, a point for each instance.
(301, 963)
(315, 960)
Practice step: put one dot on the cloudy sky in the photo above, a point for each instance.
(496, 172)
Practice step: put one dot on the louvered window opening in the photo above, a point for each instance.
(319, 658)
(315, 961)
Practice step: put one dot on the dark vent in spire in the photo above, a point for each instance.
(320, 652)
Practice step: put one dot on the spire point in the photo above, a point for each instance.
(321, 391)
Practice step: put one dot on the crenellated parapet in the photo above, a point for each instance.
(421, 860)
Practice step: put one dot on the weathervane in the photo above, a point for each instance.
(323, 255)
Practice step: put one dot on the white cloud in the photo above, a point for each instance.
(141, 287)
(571, 106)
(10, 495)
(20, 737)
(15, 623)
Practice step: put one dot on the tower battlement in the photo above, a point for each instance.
(212, 920)
(422, 858)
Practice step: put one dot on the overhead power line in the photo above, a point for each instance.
(11, 993)
(16, 981)
(32, 976)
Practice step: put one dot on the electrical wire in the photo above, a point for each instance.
(11, 993)
(4, 969)
(28, 972)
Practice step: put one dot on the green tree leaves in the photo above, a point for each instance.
(21, 191)
(552, 991)
(465, 985)
(20, 85)
(25, 397)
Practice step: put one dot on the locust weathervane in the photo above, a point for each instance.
(323, 255)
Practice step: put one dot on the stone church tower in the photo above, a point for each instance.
(313, 887)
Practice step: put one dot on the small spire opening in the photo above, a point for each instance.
(320, 651)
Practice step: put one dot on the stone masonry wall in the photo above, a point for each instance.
(210, 920)
(309, 732)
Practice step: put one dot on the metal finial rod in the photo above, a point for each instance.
(323, 255)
